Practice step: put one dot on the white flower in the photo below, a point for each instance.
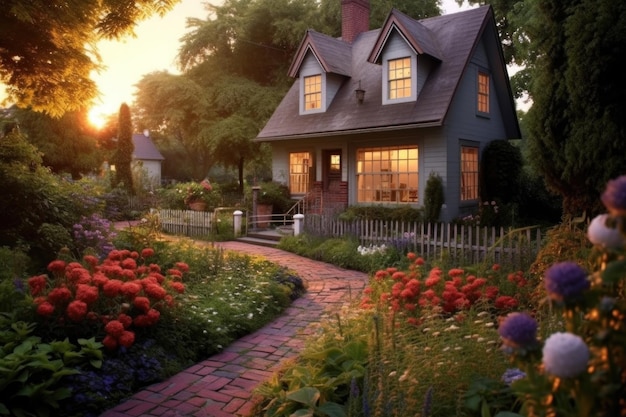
(565, 355)
(599, 234)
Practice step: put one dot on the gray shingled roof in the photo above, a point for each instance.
(453, 39)
(145, 149)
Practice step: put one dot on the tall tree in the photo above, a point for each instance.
(576, 126)
(67, 144)
(125, 148)
(48, 48)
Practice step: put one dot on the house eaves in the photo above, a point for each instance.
(334, 55)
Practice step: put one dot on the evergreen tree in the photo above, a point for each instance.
(124, 155)
(576, 126)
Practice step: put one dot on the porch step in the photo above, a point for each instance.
(268, 238)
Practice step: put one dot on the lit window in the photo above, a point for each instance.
(387, 174)
(483, 92)
(469, 173)
(299, 167)
(313, 92)
(399, 78)
(335, 162)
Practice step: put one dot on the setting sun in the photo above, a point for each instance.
(98, 117)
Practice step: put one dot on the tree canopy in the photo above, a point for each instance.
(48, 48)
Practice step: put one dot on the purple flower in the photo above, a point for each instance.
(512, 374)
(614, 196)
(565, 355)
(518, 330)
(565, 281)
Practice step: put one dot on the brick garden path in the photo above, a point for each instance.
(222, 385)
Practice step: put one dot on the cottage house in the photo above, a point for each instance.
(146, 157)
(373, 113)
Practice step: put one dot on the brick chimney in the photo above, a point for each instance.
(355, 18)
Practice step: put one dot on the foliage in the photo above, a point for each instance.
(501, 170)
(69, 34)
(31, 371)
(580, 368)
(275, 194)
(576, 119)
(378, 212)
(433, 198)
(124, 154)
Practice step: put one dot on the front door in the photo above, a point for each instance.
(331, 172)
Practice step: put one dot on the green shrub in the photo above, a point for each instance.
(377, 212)
(433, 198)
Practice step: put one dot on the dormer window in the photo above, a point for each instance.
(312, 92)
(399, 78)
(483, 93)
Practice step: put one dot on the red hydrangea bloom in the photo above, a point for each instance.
(381, 275)
(76, 310)
(155, 291)
(115, 255)
(78, 274)
(112, 288)
(91, 260)
(114, 328)
(182, 266)
(126, 339)
(179, 287)
(411, 256)
(56, 266)
(159, 278)
(174, 273)
(109, 342)
(154, 315)
(491, 292)
(129, 263)
(129, 274)
(505, 302)
(169, 300)
(142, 303)
(87, 293)
(130, 289)
(45, 309)
(37, 284)
(398, 275)
(134, 254)
(495, 267)
(455, 272)
(59, 295)
(419, 261)
(99, 279)
(155, 268)
(147, 252)
(125, 319)
(142, 270)
(396, 289)
(111, 270)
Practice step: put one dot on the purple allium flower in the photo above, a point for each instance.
(565, 281)
(614, 196)
(602, 235)
(565, 355)
(518, 330)
(512, 374)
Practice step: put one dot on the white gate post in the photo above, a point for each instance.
(237, 222)
(298, 223)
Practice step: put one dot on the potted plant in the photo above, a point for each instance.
(272, 197)
(200, 196)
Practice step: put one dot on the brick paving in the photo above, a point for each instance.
(221, 386)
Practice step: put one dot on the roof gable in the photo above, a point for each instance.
(145, 148)
(334, 55)
(417, 35)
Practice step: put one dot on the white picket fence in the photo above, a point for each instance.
(187, 222)
(458, 243)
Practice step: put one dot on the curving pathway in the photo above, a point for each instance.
(222, 385)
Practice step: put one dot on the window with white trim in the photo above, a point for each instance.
(399, 78)
(299, 168)
(469, 173)
(312, 92)
(387, 175)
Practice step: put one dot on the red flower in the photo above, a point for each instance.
(91, 260)
(134, 254)
(155, 268)
(45, 309)
(77, 274)
(129, 263)
(154, 315)
(380, 275)
(505, 302)
(109, 342)
(76, 310)
(130, 289)
(491, 292)
(179, 287)
(419, 261)
(99, 279)
(411, 256)
(126, 339)
(87, 293)
(37, 284)
(175, 273)
(147, 252)
(142, 303)
(59, 295)
(56, 266)
(115, 255)
(182, 266)
(155, 291)
(114, 328)
(129, 274)
(112, 288)
(495, 267)
(125, 319)
(455, 272)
